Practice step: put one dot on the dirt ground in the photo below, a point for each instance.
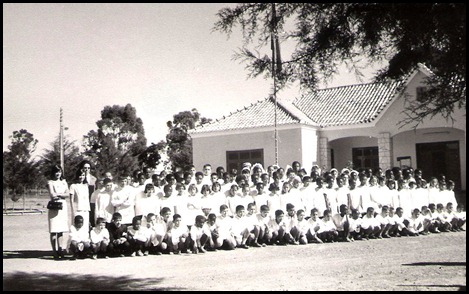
(433, 262)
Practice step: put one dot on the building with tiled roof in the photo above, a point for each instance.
(338, 127)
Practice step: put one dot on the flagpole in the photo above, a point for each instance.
(274, 43)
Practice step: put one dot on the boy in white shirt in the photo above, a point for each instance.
(179, 235)
(79, 238)
(328, 229)
(314, 227)
(370, 226)
(276, 229)
(240, 227)
(138, 237)
(199, 235)
(99, 236)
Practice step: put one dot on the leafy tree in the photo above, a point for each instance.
(327, 34)
(72, 157)
(118, 141)
(151, 155)
(19, 170)
(178, 140)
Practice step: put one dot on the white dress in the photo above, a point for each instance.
(58, 219)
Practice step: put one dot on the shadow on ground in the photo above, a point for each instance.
(38, 281)
(460, 287)
(436, 263)
(44, 254)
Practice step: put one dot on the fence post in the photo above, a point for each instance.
(5, 195)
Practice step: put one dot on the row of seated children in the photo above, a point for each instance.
(160, 235)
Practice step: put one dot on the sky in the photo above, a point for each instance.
(161, 58)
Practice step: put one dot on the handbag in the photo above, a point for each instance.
(54, 205)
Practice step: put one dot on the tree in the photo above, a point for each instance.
(72, 157)
(19, 170)
(178, 140)
(118, 141)
(327, 34)
(151, 155)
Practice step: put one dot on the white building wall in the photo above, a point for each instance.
(309, 148)
(408, 140)
(343, 148)
(211, 148)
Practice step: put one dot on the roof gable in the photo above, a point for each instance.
(348, 105)
(259, 114)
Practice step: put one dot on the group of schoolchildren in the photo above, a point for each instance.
(195, 212)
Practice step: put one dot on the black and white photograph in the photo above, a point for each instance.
(234, 146)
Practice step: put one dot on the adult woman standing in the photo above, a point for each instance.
(58, 219)
(80, 199)
(85, 166)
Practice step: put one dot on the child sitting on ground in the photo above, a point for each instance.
(79, 238)
(276, 229)
(240, 227)
(99, 236)
(199, 235)
(119, 245)
(138, 237)
(263, 219)
(179, 235)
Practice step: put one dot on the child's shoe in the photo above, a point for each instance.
(202, 250)
(133, 254)
(145, 253)
(95, 256)
(140, 253)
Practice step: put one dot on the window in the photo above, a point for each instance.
(366, 157)
(420, 93)
(235, 159)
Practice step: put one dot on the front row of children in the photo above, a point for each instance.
(158, 234)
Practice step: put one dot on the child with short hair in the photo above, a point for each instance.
(138, 237)
(445, 224)
(99, 236)
(156, 230)
(240, 228)
(79, 238)
(179, 235)
(253, 226)
(370, 227)
(314, 227)
(461, 215)
(199, 235)
(302, 226)
(273, 201)
(291, 230)
(276, 229)
(119, 245)
(329, 231)
(342, 222)
(398, 223)
(103, 205)
(414, 224)
(385, 222)
(263, 219)
(355, 225)
(215, 241)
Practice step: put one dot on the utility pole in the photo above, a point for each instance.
(61, 136)
(276, 68)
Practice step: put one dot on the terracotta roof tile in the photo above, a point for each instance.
(259, 114)
(347, 104)
(337, 106)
